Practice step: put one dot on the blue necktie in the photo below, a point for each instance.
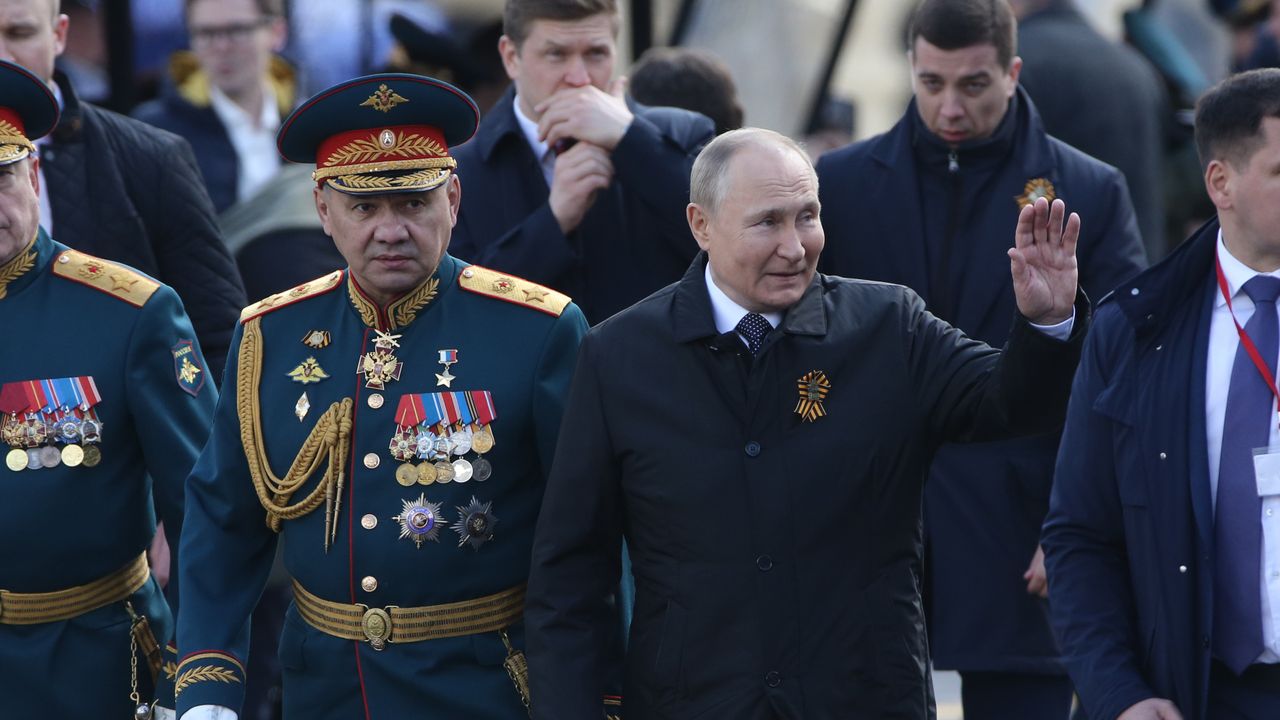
(753, 328)
(1237, 604)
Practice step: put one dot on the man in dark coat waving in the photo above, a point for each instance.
(761, 435)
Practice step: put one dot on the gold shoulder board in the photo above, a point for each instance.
(311, 288)
(483, 281)
(111, 278)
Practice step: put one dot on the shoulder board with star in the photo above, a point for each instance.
(116, 280)
(483, 281)
(311, 288)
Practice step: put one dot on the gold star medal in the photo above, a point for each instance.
(1035, 189)
(309, 371)
(448, 357)
(419, 521)
(813, 390)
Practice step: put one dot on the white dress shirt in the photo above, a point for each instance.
(546, 158)
(1223, 341)
(254, 139)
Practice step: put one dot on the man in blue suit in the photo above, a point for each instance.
(1163, 536)
(593, 186)
(931, 205)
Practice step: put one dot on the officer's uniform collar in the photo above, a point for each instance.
(22, 269)
(406, 308)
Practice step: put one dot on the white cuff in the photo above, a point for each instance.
(210, 712)
(1060, 331)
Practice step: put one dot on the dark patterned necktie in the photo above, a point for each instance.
(753, 328)
(1237, 603)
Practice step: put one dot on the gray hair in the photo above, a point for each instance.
(707, 181)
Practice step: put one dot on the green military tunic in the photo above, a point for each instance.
(102, 380)
(322, 384)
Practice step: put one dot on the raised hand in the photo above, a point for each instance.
(580, 172)
(587, 114)
(1151, 709)
(1043, 262)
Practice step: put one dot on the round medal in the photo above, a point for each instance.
(33, 459)
(460, 442)
(444, 472)
(406, 475)
(50, 457)
(482, 442)
(461, 470)
(481, 469)
(72, 455)
(426, 473)
(16, 459)
(92, 456)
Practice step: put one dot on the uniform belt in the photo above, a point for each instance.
(394, 624)
(44, 607)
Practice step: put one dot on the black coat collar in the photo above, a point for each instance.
(693, 318)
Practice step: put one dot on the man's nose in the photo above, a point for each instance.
(576, 74)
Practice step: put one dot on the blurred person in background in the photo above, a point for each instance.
(461, 54)
(688, 78)
(226, 95)
(594, 185)
(1100, 97)
(931, 205)
(123, 190)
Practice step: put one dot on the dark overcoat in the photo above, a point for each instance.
(633, 240)
(984, 503)
(776, 559)
(1130, 527)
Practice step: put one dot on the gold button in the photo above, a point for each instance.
(64, 258)
(375, 401)
(369, 583)
(372, 460)
(369, 522)
(468, 273)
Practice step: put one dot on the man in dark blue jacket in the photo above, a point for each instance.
(592, 186)
(931, 204)
(1163, 536)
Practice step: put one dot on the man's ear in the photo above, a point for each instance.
(509, 51)
(1218, 176)
(322, 209)
(699, 220)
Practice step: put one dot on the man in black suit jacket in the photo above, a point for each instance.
(931, 204)
(570, 184)
(125, 191)
(761, 435)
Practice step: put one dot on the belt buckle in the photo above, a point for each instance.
(376, 625)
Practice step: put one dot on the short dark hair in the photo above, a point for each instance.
(1229, 116)
(518, 15)
(956, 24)
(268, 8)
(688, 78)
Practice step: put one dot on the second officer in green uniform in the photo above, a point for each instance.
(394, 423)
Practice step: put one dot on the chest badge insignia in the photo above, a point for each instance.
(316, 339)
(309, 371)
(1035, 189)
(813, 387)
(380, 366)
(419, 521)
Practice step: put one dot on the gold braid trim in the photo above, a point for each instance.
(446, 163)
(16, 268)
(403, 311)
(204, 673)
(371, 149)
(329, 442)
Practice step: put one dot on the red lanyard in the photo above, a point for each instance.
(1249, 347)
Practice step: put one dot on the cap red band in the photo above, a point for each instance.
(375, 145)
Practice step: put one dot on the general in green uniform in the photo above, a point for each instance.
(105, 402)
(394, 424)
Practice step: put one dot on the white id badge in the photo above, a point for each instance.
(1266, 470)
